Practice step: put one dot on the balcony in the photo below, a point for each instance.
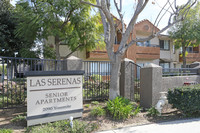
(191, 57)
(147, 52)
(99, 54)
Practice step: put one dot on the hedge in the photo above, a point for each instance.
(186, 99)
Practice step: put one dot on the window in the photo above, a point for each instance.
(174, 50)
(189, 49)
(164, 44)
(165, 65)
(144, 44)
(99, 68)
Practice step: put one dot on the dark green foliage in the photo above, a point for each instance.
(119, 108)
(186, 33)
(9, 43)
(186, 99)
(67, 22)
(64, 127)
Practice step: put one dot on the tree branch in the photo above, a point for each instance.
(162, 16)
(120, 15)
(110, 33)
(80, 45)
(140, 6)
(84, 2)
(66, 19)
(158, 16)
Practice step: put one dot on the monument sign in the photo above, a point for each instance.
(53, 96)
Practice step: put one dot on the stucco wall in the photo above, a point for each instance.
(177, 81)
(169, 55)
(64, 51)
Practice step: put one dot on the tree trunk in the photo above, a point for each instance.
(184, 58)
(114, 80)
(57, 45)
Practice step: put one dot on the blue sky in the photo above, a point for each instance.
(150, 12)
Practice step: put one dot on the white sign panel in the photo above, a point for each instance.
(51, 98)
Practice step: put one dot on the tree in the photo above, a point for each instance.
(10, 44)
(110, 31)
(187, 32)
(69, 22)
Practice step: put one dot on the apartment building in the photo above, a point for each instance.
(159, 50)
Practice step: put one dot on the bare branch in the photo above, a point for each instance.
(159, 15)
(162, 7)
(171, 6)
(184, 6)
(103, 19)
(169, 21)
(162, 16)
(140, 6)
(110, 31)
(175, 6)
(84, 2)
(188, 8)
(120, 15)
(80, 45)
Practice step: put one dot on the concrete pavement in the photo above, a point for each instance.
(179, 126)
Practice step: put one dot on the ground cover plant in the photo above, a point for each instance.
(5, 131)
(98, 111)
(93, 123)
(152, 112)
(64, 127)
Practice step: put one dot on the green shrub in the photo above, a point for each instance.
(119, 108)
(3, 69)
(19, 118)
(5, 131)
(185, 99)
(136, 111)
(152, 112)
(96, 77)
(64, 127)
(87, 105)
(98, 111)
(95, 102)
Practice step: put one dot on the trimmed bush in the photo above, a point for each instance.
(186, 99)
(119, 108)
(98, 111)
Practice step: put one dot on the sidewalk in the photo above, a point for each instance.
(179, 126)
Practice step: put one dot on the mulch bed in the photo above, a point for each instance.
(105, 123)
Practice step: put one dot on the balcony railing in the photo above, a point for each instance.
(179, 72)
(148, 45)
